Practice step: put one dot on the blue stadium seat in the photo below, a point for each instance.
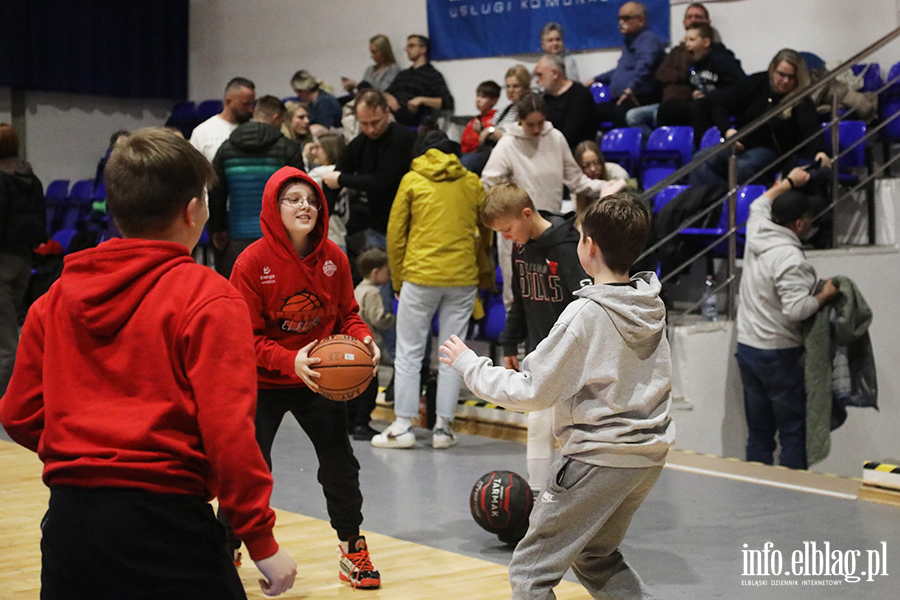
(711, 138)
(600, 92)
(666, 196)
(623, 146)
(872, 81)
(745, 197)
(183, 117)
(77, 206)
(209, 108)
(64, 237)
(670, 144)
(54, 197)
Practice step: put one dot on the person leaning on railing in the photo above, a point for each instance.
(748, 100)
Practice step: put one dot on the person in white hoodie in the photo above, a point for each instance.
(537, 157)
(605, 369)
(778, 292)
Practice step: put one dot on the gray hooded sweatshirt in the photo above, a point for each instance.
(605, 369)
(777, 283)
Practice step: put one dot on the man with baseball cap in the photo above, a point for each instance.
(778, 291)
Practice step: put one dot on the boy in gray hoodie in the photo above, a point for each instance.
(605, 369)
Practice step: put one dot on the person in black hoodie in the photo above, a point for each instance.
(546, 273)
(243, 164)
(751, 98)
(713, 69)
(23, 227)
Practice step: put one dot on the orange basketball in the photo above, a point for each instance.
(346, 367)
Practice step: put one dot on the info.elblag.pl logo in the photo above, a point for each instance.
(815, 564)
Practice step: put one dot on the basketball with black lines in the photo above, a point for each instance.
(347, 367)
(501, 503)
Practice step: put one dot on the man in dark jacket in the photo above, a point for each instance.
(23, 225)
(243, 164)
(373, 164)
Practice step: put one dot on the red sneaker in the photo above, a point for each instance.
(356, 566)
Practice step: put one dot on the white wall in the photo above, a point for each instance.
(268, 41)
(68, 133)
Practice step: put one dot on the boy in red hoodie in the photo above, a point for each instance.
(119, 388)
(298, 286)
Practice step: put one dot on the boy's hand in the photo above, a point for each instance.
(302, 364)
(511, 362)
(828, 292)
(279, 570)
(616, 185)
(452, 348)
(331, 179)
(373, 348)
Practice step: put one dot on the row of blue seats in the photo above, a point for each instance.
(68, 208)
(671, 147)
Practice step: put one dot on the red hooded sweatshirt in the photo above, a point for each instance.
(294, 300)
(135, 370)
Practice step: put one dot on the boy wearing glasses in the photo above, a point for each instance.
(297, 285)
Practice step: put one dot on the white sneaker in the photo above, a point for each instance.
(443, 438)
(395, 439)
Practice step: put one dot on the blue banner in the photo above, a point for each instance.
(479, 28)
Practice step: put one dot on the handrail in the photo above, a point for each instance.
(729, 144)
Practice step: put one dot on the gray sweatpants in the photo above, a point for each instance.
(578, 522)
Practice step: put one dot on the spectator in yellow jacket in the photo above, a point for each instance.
(434, 240)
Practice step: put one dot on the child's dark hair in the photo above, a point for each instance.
(619, 225)
(371, 259)
(488, 89)
(151, 176)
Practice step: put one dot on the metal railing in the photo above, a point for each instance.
(729, 146)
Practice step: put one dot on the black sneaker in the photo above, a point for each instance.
(364, 433)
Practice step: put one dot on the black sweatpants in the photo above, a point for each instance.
(325, 422)
(117, 543)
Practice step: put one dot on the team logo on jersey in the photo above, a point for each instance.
(267, 277)
(553, 267)
(329, 268)
(266, 270)
(300, 313)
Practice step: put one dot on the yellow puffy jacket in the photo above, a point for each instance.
(434, 235)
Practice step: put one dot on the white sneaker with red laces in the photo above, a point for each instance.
(356, 566)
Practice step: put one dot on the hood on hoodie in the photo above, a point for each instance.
(438, 166)
(255, 137)
(274, 233)
(637, 312)
(104, 286)
(516, 130)
(562, 230)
